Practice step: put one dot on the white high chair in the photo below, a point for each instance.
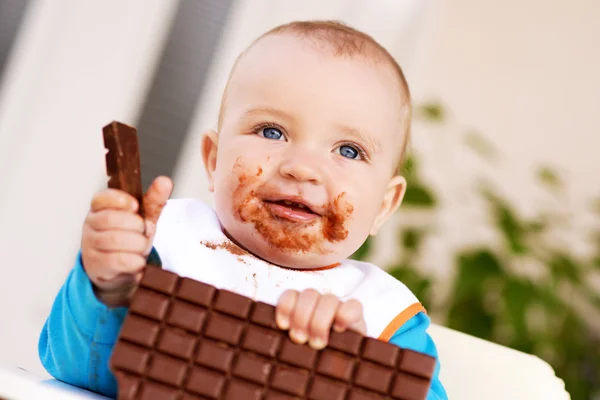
(474, 369)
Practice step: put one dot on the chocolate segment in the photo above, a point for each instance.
(184, 339)
(123, 160)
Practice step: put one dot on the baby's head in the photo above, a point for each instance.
(313, 125)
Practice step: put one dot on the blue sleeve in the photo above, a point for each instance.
(413, 335)
(77, 338)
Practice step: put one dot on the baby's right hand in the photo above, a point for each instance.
(116, 241)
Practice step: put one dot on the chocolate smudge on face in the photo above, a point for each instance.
(333, 226)
(286, 235)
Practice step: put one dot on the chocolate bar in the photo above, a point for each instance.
(184, 339)
(123, 160)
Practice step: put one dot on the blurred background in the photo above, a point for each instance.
(500, 231)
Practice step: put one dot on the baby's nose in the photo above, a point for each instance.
(303, 170)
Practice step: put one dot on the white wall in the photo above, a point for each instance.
(525, 74)
(77, 66)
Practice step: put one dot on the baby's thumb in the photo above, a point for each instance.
(156, 198)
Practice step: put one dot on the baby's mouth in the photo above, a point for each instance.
(295, 210)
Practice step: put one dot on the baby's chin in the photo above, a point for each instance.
(250, 240)
(296, 259)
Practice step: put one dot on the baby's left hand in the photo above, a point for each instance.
(310, 316)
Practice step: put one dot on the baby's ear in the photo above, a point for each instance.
(210, 144)
(391, 201)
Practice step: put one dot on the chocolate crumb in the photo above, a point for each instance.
(226, 245)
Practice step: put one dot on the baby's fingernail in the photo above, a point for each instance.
(338, 328)
(283, 323)
(298, 336)
(317, 343)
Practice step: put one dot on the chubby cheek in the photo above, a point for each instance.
(234, 191)
(358, 226)
(231, 166)
(223, 190)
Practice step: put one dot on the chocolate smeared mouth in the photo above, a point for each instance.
(294, 205)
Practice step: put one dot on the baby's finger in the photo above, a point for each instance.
(114, 263)
(359, 326)
(156, 198)
(112, 240)
(350, 314)
(115, 220)
(114, 199)
(321, 320)
(117, 292)
(285, 306)
(302, 314)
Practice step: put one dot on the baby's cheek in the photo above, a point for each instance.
(360, 223)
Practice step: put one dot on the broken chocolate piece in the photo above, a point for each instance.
(123, 160)
(184, 339)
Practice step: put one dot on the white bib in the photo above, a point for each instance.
(190, 243)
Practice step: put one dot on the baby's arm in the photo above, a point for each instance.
(413, 335)
(77, 339)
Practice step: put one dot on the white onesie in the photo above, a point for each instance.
(190, 243)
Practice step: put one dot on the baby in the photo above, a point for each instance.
(313, 125)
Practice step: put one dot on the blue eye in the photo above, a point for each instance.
(349, 152)
(271, 133)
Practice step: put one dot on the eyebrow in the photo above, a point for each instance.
(367, 140)
(268, 110)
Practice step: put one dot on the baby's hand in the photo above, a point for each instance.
(310, 316)
(116, 240)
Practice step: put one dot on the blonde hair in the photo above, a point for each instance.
(343, 41)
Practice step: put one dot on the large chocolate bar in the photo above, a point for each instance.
(183, 339)
(123, 160)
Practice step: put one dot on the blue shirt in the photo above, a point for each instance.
(77, 339)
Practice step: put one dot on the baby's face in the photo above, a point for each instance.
(303, 164)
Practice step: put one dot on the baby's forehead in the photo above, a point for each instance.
(284, 44)
(282, 53)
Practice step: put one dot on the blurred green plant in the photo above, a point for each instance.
(488, 298)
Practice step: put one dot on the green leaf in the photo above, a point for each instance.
(596, 257)
(410, 167)
(549, 300)
(507, 222)
(412, 238)
(419, 196)
(364, 250)
(549, 177)
(590, 294)
(415, 281)
(537, 226)
(431, 112)
(480, 145)
(563, 266)
(518, 295)
(474, 269)
(469, 315)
